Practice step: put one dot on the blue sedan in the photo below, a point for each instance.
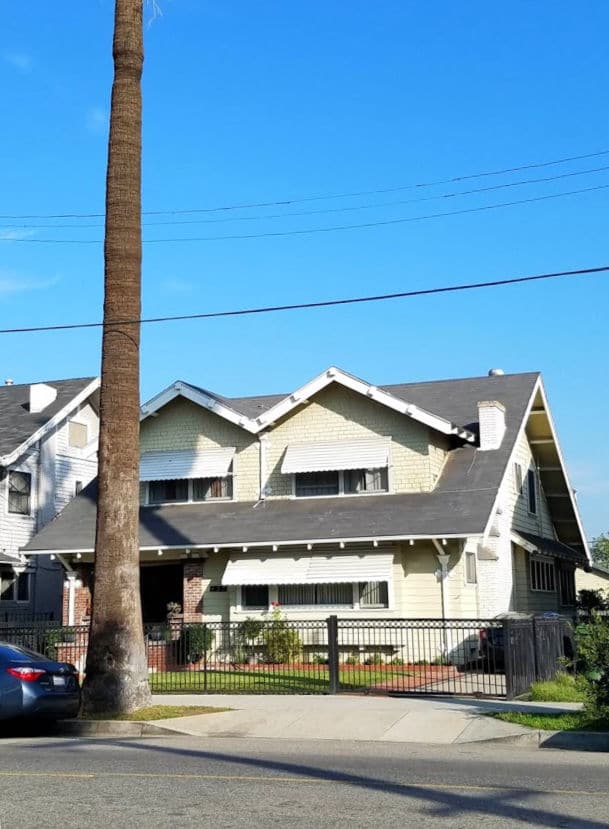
(33, 686)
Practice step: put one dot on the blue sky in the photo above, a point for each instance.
(248, 103)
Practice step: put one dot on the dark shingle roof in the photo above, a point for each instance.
(460, 504)
(17, 424)
(175, 525)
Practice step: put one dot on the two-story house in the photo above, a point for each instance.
(48, 453)
(440, 499)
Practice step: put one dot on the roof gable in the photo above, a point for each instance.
(275, 407)
(19, 427)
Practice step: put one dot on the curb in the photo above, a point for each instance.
(113, 728)
(565, 740)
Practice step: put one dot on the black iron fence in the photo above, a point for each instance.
(414, 656)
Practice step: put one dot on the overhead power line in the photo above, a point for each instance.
(495, 283)
(349, 208)
(330, 229)
(324, 196)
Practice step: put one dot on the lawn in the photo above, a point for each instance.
(161, 712)
(295, 680)
(572, 721)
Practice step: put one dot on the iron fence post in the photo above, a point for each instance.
(508, 662)
(205, 645)
(333, 676)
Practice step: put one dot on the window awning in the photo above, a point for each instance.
(320, 569)
(186, 463)
(321, 456)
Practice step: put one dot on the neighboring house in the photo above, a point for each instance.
(48, 453)
(441, 499)
(596, 578)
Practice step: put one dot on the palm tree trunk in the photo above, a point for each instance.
(116, 673)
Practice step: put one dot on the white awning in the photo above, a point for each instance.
(366, 453)
(309, 569)
(186, 463)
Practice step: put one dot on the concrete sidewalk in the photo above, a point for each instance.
(404, 720)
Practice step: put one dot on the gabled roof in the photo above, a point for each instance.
(20, 428)
(460, 505)
(278, 407)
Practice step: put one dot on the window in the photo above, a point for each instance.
(532, 491)
(78, 434)
(567, 586)
(373, 594)
(315, 594)
(19, 492)
(316, 483)
(160, 492)
(13, 587)
(184, 490)
(542, 575)
(470, 568)
(349, 482)
(255, 596)
(207, 489)
(518, 478)
(77, 487)
(366, 480)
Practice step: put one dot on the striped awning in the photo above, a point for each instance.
(321, 456)
(307, 569)
(186, 463)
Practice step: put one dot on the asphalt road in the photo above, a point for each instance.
(184, 782)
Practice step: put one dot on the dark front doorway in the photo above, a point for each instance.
(160, 584)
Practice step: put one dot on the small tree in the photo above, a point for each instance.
(600, 550)
(593, 653)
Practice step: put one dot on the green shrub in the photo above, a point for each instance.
(195, 641)
(593, 662)
(352, 659)
(319, 659)
(282, 643)
(374, 659)
(397, 660)
(563, 688)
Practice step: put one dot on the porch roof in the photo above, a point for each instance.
(550, 547)
(438, 514)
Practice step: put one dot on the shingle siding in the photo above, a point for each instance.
(337, 413)
(182, 424)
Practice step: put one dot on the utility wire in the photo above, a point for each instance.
(381, 223)
(262, 216)
(321, 197)
(495, 283)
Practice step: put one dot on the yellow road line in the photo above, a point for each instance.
(278, 779)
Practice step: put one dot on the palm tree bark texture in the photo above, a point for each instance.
(116, 678)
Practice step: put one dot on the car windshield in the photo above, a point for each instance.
(11, 653)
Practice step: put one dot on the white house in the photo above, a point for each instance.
(48, 453)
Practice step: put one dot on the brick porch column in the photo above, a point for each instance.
(192, 604)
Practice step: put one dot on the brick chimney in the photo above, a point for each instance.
(491, 415)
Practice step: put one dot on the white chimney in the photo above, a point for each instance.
(41, 396)
(491, 416)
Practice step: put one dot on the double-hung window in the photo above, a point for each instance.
(566, 578)
(19, 492)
